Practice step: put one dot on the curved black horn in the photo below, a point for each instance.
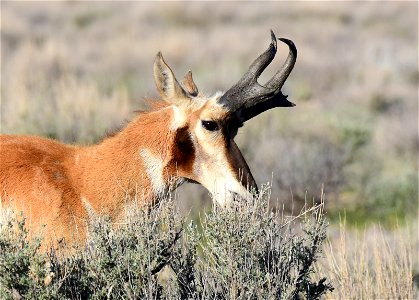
(260, 63)
(279, 78)
(252, 98)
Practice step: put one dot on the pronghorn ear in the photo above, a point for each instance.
(167, 85)
(189, 84)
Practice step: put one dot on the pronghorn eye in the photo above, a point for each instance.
(210, 125)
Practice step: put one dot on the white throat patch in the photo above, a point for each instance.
(154, 168)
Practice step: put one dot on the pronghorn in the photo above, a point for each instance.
(186, 137)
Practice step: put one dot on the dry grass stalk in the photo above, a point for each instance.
(373, 264)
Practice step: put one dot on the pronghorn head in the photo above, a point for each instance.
(204, 127)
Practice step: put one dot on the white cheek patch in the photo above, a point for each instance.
(154, 169)
(215, 172)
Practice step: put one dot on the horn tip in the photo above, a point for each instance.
(290, 44)
(273, 39)
(273, 35)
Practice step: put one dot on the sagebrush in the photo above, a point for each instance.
(240, 252)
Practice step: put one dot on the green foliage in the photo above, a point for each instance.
(123, 262)
(387, 201)
(354, 134)
(22, 267)
(242, 251)
(250, 252)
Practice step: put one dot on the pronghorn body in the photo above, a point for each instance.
(61, 185)
(189, 137)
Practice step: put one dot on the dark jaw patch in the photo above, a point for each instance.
(238, 163)
(184, 150)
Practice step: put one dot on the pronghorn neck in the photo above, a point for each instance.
(136, 163)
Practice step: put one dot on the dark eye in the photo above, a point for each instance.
(210, 125)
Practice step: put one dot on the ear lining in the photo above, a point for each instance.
(167, 85)
(189, 84)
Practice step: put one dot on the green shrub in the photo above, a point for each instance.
(240, 252)
(250, 252)
(22, 267)
(387, 201)
(354, 135)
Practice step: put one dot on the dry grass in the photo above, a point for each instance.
(73, 116)
(371, 263)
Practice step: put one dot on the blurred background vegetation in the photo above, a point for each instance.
(75, 71)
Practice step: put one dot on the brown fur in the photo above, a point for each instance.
(62, 186)
(47, 180)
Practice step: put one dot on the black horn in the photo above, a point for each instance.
(249, 98)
